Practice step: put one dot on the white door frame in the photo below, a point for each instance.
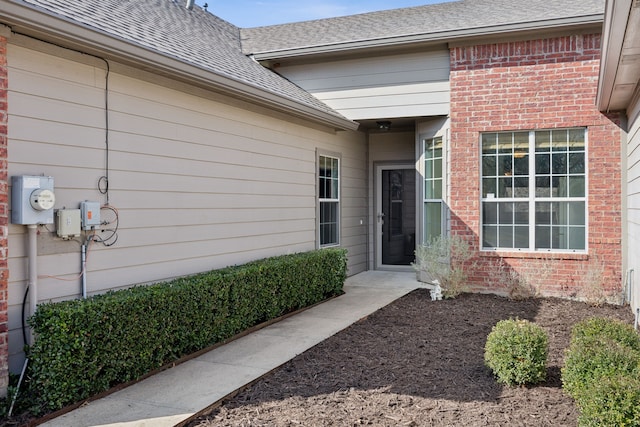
(379, 167)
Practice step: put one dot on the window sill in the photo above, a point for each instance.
(330, 245)
(579, 256)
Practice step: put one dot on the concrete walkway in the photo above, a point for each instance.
(176, 394)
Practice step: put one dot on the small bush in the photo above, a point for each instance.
(600, 348)
(516, 351)
(445, 260)
(611, 401)
(519, 286)
(598, 327)
(589, 361)
(593, 289)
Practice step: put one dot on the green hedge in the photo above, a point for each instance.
(601, 371)
(84, 347)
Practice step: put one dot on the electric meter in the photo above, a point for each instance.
(32, 199)
(42, 199)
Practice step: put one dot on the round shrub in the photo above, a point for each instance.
(516, 351)
(611, 401)
(600, 348)
(587, 362)
(598, 327)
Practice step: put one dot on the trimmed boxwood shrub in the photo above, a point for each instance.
(516, 351)
(602, 371)
(612, 401)
(84, 347)
(598, 327)
(588, 361)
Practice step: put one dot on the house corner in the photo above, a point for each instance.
(4, 222)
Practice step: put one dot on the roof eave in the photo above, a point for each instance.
(31, 21)
(617, 13)
(436, 37)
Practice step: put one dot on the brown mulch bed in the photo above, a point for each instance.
(416, 362)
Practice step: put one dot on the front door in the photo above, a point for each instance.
(396, 215)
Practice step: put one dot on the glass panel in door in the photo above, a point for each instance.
(399, 216)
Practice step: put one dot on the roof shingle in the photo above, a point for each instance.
(194, 36)
(419, 20)
(203, 40)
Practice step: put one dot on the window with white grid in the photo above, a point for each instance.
(534, 190)
(329, 200)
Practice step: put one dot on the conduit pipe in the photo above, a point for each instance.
(32, 286)
(629, 289)
(32, 279)
(83, 269)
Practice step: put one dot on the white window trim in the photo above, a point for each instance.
(422, 200)
(532, 199)
(319, 201)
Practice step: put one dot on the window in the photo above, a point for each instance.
(329, 200)
(433, 187)
(534, 190)
(396, 184)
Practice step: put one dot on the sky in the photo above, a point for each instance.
(255, 13)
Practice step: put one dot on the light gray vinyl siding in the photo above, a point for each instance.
(406, 85)
(198, 184)
(633, 208)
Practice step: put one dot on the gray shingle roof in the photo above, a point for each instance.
(193, 36)
(430, 19)
(203, 40)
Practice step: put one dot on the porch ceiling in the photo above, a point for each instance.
(396, 123)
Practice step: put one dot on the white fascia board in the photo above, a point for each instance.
(67, 33)
(616, 21)
(436, 37)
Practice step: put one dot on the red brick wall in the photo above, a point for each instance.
(4, 222)
(528, 85)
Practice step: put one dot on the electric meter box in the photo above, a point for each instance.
(32, 199)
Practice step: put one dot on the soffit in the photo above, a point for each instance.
(620, 69)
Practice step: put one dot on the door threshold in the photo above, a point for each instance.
(390, 267)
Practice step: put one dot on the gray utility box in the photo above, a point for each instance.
(32, 199)
(90, 212)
